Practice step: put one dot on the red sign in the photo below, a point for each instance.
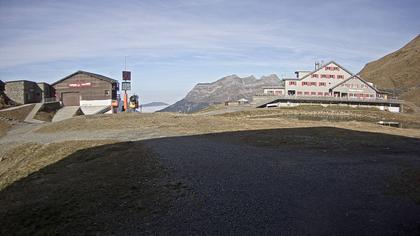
(78, 85)
(126, 75)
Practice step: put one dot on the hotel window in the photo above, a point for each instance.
(304, 83)
(306, 93)
(319, 93)
(322, 84)
(314, 76)
(313, 93)
(326, 94)
(292, 83)
(313, 84)
(299, 93)
(332, 76)
(323, 76)
(340, 76)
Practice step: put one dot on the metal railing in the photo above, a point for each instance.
(52, 99)
(331, 99)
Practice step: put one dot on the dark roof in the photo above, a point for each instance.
(22, 80)
(101, 77)
(321, 68)
(355, 76)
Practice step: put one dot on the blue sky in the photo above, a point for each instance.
(172, 45)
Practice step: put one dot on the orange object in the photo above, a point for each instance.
(125, 101)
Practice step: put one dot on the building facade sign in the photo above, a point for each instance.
(126, 75)
(126, 86)
(78, 85)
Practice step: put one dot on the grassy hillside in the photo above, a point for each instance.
(398, 71)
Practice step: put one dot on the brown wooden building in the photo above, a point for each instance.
(86, 89)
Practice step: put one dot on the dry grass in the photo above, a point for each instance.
(44, 116)
(25, 159)
(397, 71)
(101, 189)
(18, 114)
(334, 114)
(173, 124)
(4, 127)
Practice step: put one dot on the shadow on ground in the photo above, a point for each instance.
(296, 181)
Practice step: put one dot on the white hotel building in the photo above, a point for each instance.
(327, 84)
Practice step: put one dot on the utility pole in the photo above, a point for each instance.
(126, 84)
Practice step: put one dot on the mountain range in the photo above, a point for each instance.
(397, 72)
(229, 88)
(155, 104)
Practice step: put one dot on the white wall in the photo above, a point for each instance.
(329, 82)
(274, 91)
(106, 102)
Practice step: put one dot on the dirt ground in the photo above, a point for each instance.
(18, 114)
(10, 117)
(24, 159)
(4, 127)
(98, 168)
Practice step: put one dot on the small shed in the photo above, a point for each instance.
(243, 101)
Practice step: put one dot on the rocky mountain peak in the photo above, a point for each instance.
(230, 87)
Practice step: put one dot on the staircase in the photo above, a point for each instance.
(66, 112)
(30, 117)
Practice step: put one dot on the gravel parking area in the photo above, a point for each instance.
(241, 188)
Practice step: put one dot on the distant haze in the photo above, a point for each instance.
(173, 45)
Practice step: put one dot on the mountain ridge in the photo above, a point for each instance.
(155, 104)
(231, 87)
(398, 72)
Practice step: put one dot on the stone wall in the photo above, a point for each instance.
(23, 91)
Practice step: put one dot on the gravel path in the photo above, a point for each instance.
(246, 190)
(24, 133)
